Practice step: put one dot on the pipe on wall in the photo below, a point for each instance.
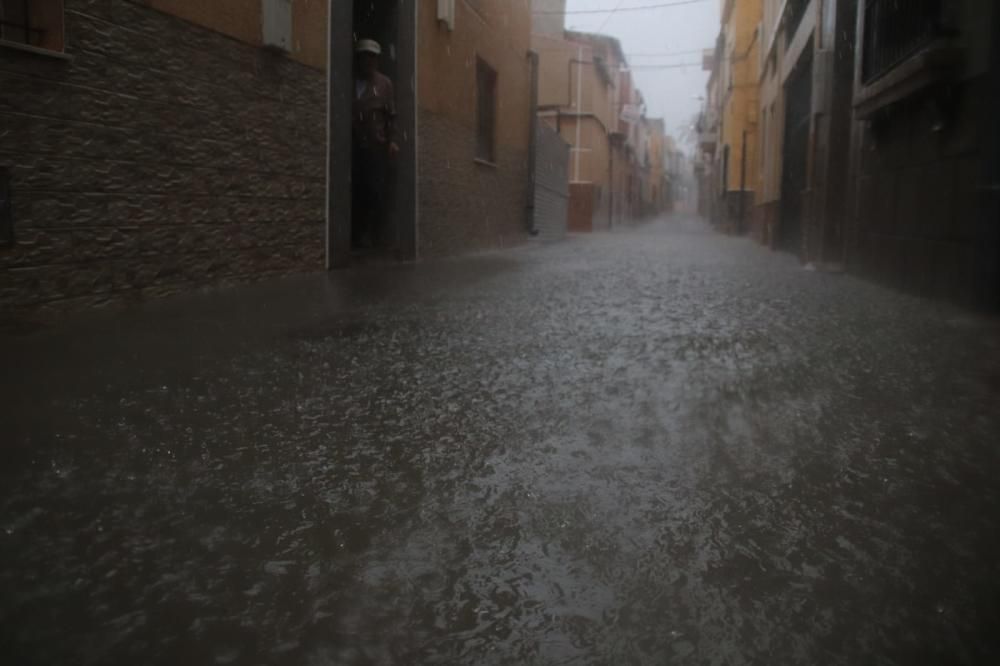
(532, 142)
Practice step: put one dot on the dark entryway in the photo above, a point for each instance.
(795, 157)
(393, 25)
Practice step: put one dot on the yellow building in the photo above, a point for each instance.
(739, 87)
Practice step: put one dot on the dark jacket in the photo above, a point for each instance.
(375, 114)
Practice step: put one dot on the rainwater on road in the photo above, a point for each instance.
(659, 446)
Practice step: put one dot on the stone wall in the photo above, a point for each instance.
(161, 156)
(466, 205)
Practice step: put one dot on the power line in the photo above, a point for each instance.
(663, 54)
(619, 8)
(608, 17)
(674, 66)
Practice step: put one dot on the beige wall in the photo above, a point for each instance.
(465, 203)
(241, 19)
(560, 79)
(548, 19)
(593, 163)
(554, 55)
(499, 32)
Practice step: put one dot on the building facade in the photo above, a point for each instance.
(925, 179)
(157, 146)
(805, 109)
(659, 144)
(878, 144)
(708, 130)
(735, 159)
(580, 97)
(587, 95)
(473, 196)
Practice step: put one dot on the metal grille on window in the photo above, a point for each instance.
(895, 30)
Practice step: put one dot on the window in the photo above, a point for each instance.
(486, 111)
(896, 30)
(36, 23)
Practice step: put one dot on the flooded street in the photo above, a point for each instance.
(659, 446)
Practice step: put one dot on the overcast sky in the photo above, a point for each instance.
(682, 30)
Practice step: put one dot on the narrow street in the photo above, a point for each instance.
(653, 446)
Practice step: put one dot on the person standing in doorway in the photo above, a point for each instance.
(374, 143)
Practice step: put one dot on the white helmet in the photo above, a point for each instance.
(368, 46)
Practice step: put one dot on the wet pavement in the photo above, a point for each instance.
(660, 446)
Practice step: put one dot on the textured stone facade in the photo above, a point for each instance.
(466, 205)
(161, 156)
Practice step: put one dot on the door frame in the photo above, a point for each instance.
(339, 101)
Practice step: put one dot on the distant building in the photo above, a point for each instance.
(738, 90)
(708, 127)
(585, 95)
(659, 146)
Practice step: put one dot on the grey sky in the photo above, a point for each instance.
(680, 28)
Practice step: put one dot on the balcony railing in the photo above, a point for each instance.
(895, 30)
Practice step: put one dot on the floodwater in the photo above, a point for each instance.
(661, 446)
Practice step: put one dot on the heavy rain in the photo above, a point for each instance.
(592, 332)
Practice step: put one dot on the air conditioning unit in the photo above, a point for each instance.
(276, 24)
(446, 13)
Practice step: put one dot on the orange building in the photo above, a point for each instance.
(739, 89)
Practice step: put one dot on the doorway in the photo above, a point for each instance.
(393, 25)
(795, 157)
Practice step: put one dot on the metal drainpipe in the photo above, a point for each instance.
(579, 104)
(993, 160)
(532, 142)
(339, 86)
(611, 182)
(743, 181)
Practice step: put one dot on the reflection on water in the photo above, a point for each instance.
(645, 448)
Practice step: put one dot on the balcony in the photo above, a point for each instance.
(894, 30)
(906, 48)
